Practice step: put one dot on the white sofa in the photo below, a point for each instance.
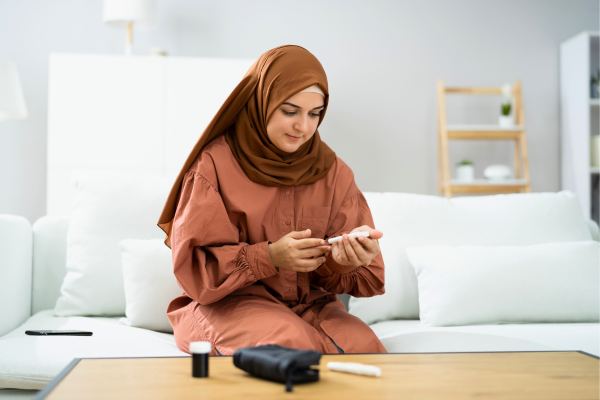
(32, 269)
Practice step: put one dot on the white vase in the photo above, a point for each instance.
(465, 173)
(506, 121)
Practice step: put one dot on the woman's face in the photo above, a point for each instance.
(295, 121)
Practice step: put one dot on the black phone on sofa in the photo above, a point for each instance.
(58, 333)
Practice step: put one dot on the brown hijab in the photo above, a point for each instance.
(276, 76)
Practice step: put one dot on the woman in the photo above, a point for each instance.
(248, 213)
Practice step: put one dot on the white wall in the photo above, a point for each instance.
(382, 59)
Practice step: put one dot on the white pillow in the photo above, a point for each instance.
(150, 284)
(497, 220)
(108, 207)
(467, 285)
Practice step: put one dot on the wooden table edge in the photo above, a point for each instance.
(58, 378)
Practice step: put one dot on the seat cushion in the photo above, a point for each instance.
(30, 362)
(410, 336)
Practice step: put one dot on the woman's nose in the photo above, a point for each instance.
(302, 124)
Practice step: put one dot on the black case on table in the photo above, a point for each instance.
(279, 364)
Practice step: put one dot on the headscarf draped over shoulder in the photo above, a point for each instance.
(276, 76)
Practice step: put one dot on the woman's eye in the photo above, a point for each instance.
(316, 115)
(288, 113)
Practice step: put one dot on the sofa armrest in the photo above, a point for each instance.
(594, 231)
(16, 239)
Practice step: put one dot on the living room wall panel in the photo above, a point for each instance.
(132, 114)
(196, 89)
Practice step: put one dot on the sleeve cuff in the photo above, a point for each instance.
(331, 267)
(260, 262)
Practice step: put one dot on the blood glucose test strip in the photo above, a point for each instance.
(355, 368)
(355, 234)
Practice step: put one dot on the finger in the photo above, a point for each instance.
(335, 252)
(372, 246)
(338, 252)
(362, 229)
(299, 234)
(309, 264)
(350, 251)
(308, 243)
(361, 254)
(373, 233)
(313, 251)
(343, 256)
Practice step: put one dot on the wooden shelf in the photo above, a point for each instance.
(481, 182)
(482, 128)
(483, 132)
(485, 186)
(516, 133)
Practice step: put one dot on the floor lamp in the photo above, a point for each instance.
(123, 13)
(12, 101)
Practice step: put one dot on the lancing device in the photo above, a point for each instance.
(355, 368)
(355, 234)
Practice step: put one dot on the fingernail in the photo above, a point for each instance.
(351, 239)
(361, 238)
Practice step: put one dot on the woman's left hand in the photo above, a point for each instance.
(355, 252)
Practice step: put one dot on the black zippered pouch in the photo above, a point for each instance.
(279, 364)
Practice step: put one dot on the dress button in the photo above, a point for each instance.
(287, 192)
(287, 222)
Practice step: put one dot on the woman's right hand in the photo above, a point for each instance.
(297, 252)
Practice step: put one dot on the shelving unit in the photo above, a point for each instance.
(579, 119)
(448, 186)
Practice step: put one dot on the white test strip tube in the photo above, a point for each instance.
(355, 368)
(355, 234)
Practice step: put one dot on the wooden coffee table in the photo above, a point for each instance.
(497, 375)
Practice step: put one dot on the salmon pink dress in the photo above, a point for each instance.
(233, 295)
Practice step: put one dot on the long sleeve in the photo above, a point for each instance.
(357, 281)
(209, 262)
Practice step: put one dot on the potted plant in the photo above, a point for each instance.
(506, 119)
(465, 171)
(594, 86)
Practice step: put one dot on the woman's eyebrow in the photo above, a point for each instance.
(293, 105)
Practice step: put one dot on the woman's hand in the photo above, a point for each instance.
(355, 252)
(297, 252)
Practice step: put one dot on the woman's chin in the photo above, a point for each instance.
(289, 147)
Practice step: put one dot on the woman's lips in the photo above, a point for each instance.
(294, 138)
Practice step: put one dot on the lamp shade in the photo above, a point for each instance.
(121, 12)
(12, 102)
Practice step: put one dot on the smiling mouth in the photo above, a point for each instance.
(294, 138)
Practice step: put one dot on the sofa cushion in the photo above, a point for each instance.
(465, 285)
(30, 362)
(150, 284)
(410, 336)
(499, 220)
(109, 207)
